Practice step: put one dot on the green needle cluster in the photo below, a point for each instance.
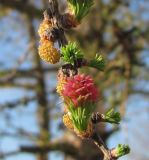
(70, 53)
(122, 150)
(80, 8)
(112, 117)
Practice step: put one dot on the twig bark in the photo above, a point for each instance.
(100, 144)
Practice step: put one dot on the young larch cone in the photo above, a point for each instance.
(48, 52)
(80, 89)
(85, 134)
(67, 121)
(43, 28)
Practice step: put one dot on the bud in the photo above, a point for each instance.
(120, 151)
(98, 62)
(79, 8)
(69, 21)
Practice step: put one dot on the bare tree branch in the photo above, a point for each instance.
(27, 9)
(23, 101)
(59, 145)
(20, 73)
